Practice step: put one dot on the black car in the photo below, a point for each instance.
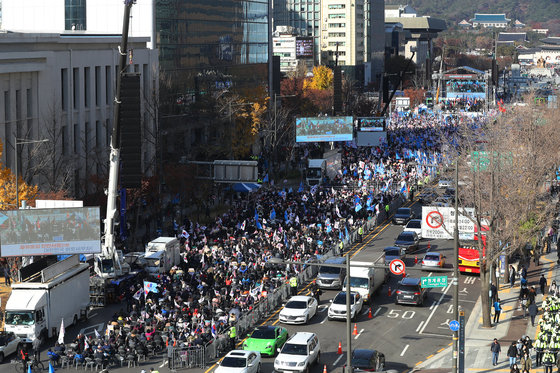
(410, 291)
(402, 216)
(368, 360)
(408, 240)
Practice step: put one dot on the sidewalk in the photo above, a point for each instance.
(511, 327)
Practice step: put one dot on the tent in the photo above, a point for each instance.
(245, 187)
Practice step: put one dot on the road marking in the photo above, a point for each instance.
(324, 320)
(469, 280)
(359, 334)
(364, 311)
(435, 308)
(441, 349)
(163, 364)
(323, 308)
(376, 312)
(419, 326)
(92, 315)
(338, 360)
(404, 350)
(432, 306)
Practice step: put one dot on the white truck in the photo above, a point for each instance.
(333, 159)
(162, 254)
(365, 280)
(35, 309)
(328, 166)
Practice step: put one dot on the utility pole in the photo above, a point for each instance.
(456, 267)
(348, 314)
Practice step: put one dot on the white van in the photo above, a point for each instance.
(298, 353)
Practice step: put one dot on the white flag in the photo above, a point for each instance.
(61, 332)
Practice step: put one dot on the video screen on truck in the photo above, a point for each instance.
(56, 231)
(324, 129)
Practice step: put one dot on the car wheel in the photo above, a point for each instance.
(1, 357)
(306, 369)
(259, 368)
(306, 319)
(318, 360)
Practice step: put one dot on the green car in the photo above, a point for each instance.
(266, 339)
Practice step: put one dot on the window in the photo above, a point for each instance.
(337, 15)
(76, 90)
(108, 86)
(335, 43)
(76, 138)
(64, 88)
(337, 25)
(87, 77)
(74, 14)
(29, 103)
(108, 130)
(87, 138)
(97, 85)
(337, 6)
(337, 34)
(98, 131)
(64, 133)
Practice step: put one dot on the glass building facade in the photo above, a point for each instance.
(212, 44)
(75, 14)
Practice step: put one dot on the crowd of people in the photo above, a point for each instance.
(225, 270)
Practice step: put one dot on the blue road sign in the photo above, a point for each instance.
(454, 325)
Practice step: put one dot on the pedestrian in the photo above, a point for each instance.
(524, 272)
(524, 305)
(539, 349)
(548, 360)
(7, 277)
(293, 285)
(495, 349)
(232, 336)
(512, 354)
(514, 369)
(497, 310)
(532, 294)
(37, 349)
(553, 288)
(512, 275)
(533, 310)
(526, 362)
(152, 370)
(542, 283)
(493, 293)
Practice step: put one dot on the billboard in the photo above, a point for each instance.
(439, 223)
(374, 124)
(324, 129)
(56, 231)
(304, 47)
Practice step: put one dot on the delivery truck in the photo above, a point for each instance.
(327, 167)
(38, 305)
(162, 254)
(366, 280)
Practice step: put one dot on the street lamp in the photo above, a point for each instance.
(16, 143)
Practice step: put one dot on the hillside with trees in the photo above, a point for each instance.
(534, 13)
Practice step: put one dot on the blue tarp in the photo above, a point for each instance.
(245, 187)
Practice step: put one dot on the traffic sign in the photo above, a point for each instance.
(454, 325)
(397, 267)
(434, 282)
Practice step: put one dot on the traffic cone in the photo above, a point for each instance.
(167, 342)
(369, 315)
(415, 259)
(429, 246)
(339, 352)
(389, 292)
(325, 369)
(355, 332)
(403, 274)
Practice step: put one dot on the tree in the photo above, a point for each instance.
(504, 166)
(8, 187)
(322, 79)
(416, 96)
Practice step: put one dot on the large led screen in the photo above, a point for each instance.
(50, 231)
(324, 129)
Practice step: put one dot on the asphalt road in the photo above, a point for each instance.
(406, 334)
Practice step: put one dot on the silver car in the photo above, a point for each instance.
(433, 260)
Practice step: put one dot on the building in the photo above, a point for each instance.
(397, 11)
(490, 20)
(512, 38)
(205, 46)
(294, 51)
(518, 24)
(61, 87)
(342, 37)
(548, 53)
(395, 38)
(464, 24)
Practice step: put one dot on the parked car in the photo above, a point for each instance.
(410, 291)
(433, 260)
(337, 309)
(402, 216)
(266, 339)
(427, 196)
(9, 344)
(368, 360)
(240, 361)
(393, 252)
(299, 310)
(301, 351)
(445, 183)
(414, 225)
(331, 277)
(408, 240)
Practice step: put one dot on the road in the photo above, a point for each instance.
(406, 334)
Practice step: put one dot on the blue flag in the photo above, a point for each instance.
(358, 207)
(259, 226)
(265, 179)
(286, 216)
(346, 232)
(273, 214)
(51, 368)
(300, 189)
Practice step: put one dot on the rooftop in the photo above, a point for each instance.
(490, 18)
(554, 40)
(420, 23)
(510, 37)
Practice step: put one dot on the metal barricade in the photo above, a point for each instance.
(188, 357)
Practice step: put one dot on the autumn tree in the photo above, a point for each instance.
(503, 166)
(8, 188)
(322, 78)
(416, 96)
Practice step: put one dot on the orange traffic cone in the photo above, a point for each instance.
(429, 245)
(339, 352)
(403, 274)
(369, 315)
(415, 259)
(389, 292)
(355, 332)
(325, 369)
(174, 343)
(167, 342)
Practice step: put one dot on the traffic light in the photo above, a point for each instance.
(130, 131)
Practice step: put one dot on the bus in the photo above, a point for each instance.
(469, 256)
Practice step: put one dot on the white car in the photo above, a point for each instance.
(240, 361)
(444, 183)
(414, 225)
(337, 309)
(433, 260)
(299, 310)
(298, 353)
(9, 344)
